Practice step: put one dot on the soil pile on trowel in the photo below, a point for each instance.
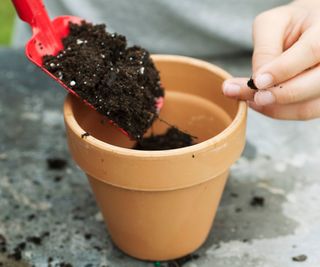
(121, 82)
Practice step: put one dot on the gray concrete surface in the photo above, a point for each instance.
(281, 163)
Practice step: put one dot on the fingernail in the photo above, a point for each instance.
(263, 98)
(231, 89)
(263, 81)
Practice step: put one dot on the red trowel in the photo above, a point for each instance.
(47, 37)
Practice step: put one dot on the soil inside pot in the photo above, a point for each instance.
(121, 82)
(173, 138)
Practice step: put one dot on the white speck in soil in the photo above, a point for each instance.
(52, 65)
(113, 35)
(72, 83)
(103, 56)
(85, 41)
(79, 42)
(111, 69)
(130, 58)
(84, 82)
(142, 70)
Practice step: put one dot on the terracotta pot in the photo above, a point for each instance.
(160, 205)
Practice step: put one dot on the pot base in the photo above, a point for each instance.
(162, 225)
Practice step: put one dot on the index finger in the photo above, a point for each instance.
(268, 40)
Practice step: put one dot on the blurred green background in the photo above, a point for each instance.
(6, 21)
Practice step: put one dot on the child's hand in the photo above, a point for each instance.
(285, 62)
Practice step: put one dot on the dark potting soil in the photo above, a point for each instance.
(56, 163)
(300, 258)
(121, 82)
(182, 261)
(177, 262)
(173, 138)
(3, 244)
(257, 201)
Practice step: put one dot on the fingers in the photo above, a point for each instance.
(303, 87)
(299, 111)
(269, 40)
(305, 53)
(237, 88)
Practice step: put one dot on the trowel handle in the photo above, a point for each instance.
(34, 13)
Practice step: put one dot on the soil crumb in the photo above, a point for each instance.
(300, 258)
(182, 261)
(257, 201)
(56, 163)
(121, 82)
(173, 138)
(177, 262)
(3, 244)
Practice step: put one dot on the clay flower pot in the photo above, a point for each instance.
(160, 205)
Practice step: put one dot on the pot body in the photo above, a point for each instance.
(160, 205)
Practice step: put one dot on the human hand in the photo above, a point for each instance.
(285, 63)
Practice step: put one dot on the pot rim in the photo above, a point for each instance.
(236, 122)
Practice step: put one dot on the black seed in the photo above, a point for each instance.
(251, 84)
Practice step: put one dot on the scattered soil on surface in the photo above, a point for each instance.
(238, 210)
(177, 262)
(3, 244)
(35, 240)
(56, 163)
(300, 258)
(182, 261)
(257, 201)
(58, 178)
(121, 82)
(64, 264)
(251, 84)
(173, 138)
(31, 217)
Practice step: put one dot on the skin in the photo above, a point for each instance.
(285, 63)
